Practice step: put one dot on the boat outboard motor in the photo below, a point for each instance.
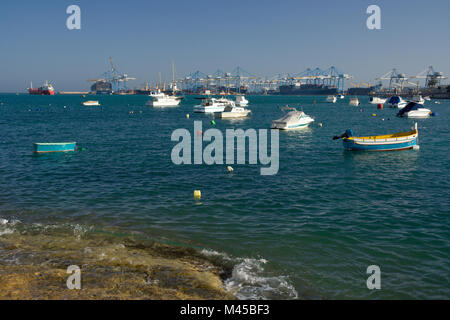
(347, 134)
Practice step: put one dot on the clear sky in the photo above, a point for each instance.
(263, 37)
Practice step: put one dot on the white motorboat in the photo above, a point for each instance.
(427, 98)
(241, 101)
(414, 110)
(232, 111)
(354, 102)
(397, 102)
(91, 103)
(294, 119)
(376, 100)
(418, 99)
(211, 105)
(331, 99)
(156, 93)
(164, 100)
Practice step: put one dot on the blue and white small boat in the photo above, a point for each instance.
(54, 147)
(389, 142)
(397, 102)
(414, 110)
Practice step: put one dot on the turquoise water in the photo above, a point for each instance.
(310, 231)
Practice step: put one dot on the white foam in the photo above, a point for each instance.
(6, 231)
(249, 280)
(3, 221)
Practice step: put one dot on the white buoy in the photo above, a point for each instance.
(416, 147)
(230, 169)
(320, 124)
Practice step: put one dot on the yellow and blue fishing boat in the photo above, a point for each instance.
(54, 147)
(389, 142)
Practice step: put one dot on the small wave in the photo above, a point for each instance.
(5, 226)
(249, 281)
(6, 231)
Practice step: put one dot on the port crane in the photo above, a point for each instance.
(432, 78)
(396, 79)
(331, 77)
(118, 80)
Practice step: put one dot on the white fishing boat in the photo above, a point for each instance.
(331, 99)
(241, 101)
(397, 102)
(354, 102)
(211, 105)
(376, 100)
(232, 111)
(414, 110)
(292, 120)
(164, 100)
(91, 103)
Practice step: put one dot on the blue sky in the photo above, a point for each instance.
(263, 37)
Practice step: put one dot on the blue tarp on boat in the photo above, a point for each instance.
(394, 100)
(410, 106)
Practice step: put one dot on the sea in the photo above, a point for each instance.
(311, 231)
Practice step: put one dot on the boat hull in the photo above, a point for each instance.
(168, 103)
(54, 147)
(231, 115)
(350, 144)
(283, 126)
(202, 109)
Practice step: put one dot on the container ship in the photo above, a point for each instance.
(307, 90)
(46, 89)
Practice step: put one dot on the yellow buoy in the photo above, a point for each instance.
(230, 169)
(187, 115)
(197, 194)
(374, 115)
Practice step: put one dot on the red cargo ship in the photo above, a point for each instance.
(46, 89)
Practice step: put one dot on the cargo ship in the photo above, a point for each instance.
(101, 87)
(307, 90)
(46, 89)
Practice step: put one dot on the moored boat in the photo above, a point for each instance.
(91, 103)
(212, 105)
(164, 100)
(414, 110)
(331, 99)
(354, 102)
(389, 142)
(232, 112)
(241, 101)
(397, 102)
(45, 147)
(376, 100)
(292, 120)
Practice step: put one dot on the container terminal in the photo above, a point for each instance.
(310, 82)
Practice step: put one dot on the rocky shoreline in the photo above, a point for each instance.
(34, 266)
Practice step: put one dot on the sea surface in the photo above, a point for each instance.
(308, 232)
